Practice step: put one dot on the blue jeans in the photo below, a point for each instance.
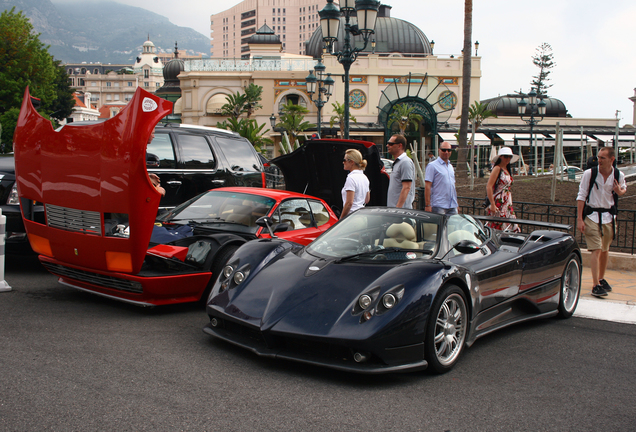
(440, 210)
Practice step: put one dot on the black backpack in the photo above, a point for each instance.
(592, 162)
(594, 168)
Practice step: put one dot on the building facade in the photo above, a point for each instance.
(116, 84)
(294, 21)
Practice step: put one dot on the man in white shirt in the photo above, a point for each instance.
(595, 218)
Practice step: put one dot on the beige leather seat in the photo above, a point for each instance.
(456, 236)
(401, 235)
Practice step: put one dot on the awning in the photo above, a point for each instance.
(215, 103)
(480, 138)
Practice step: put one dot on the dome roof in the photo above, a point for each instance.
(392, 35)
(172, 69)
(264, 35)
(148, 44)
(507, 106)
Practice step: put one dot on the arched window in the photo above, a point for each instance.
(294, 98)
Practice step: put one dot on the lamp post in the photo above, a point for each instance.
(366, 12)
(319, 84)
(527, 111)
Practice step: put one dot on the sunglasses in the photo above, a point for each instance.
(446, 150)
(507, 156)
(390, 143)
(346, 160)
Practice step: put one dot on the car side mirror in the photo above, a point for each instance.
(280, 227)
(266, 222)
(467, 247)
(152, 161)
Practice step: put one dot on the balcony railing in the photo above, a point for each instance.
(248, 65)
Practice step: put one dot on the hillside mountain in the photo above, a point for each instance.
(104, 31)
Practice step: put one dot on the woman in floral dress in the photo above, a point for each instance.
(499, 191)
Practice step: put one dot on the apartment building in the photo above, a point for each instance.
(293, 20)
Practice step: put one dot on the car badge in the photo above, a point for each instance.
(411, 255)
(148, 105)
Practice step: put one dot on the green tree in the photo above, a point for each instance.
(25, 62)
(477, 113)
(292, 119)
(544, 60)
(246, 103)
(404, 115)
(62, 106)
(253, 95)
(466, 77)
(339, 117)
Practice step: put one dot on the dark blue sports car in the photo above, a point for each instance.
(389, 290)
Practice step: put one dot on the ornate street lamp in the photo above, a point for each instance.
(364, 12)
(527, 111)
(320, 85)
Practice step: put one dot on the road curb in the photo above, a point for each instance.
(606, 310)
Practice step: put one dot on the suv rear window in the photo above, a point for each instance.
(161, 148)
(239, 154)
(196, 152)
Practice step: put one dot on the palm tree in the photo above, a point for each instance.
(339, 117)
(253, 95)
(292, 119)
(404, 116)
(477, 113)
(248, 128)
(235, 105)
(466, 75)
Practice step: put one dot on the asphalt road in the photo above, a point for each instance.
(72, 361)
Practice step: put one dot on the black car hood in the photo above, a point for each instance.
(322, 303)
(316, 169)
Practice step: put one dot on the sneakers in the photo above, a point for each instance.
(605, 285)
(599, 291)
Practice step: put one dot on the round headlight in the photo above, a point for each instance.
(388, 301)
(364, 301)
(227, 271)
(239, 277)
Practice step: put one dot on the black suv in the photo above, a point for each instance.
(192, 159)
(188, 159)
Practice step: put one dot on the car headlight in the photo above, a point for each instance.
(14, 199)
(227, 271)
(364, 301)
(239, 277)
(388, 300)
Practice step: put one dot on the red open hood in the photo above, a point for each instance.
(83, 172)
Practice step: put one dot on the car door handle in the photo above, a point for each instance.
(218, 182)
(174, 182)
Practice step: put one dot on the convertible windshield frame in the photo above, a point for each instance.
(374, 234)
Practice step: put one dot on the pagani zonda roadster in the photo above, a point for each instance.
(389, 290)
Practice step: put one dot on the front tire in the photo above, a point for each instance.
(446, 330)
(570, 287)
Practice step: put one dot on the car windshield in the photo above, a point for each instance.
(380, 234)
(218, 208)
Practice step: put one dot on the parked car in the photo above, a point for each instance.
(16, 241)
(192, 159)
(99, 233)
(388, 165)
(392, 290)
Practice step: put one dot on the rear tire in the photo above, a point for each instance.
(446, 330)
(220, 261)
(570, 287)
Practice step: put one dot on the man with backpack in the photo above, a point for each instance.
(597, 202)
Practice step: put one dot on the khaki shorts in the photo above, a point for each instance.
(593, 236)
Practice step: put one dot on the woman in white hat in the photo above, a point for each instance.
(499, 192)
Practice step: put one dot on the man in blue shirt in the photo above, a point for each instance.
(440, 193)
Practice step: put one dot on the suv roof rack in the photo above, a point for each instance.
(190, 126)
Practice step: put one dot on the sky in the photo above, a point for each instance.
(593, 43)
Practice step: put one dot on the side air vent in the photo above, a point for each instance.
(87, 222)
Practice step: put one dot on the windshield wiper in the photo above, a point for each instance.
(380, 251)
(203, 221)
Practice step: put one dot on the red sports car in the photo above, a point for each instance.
(100, 233)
